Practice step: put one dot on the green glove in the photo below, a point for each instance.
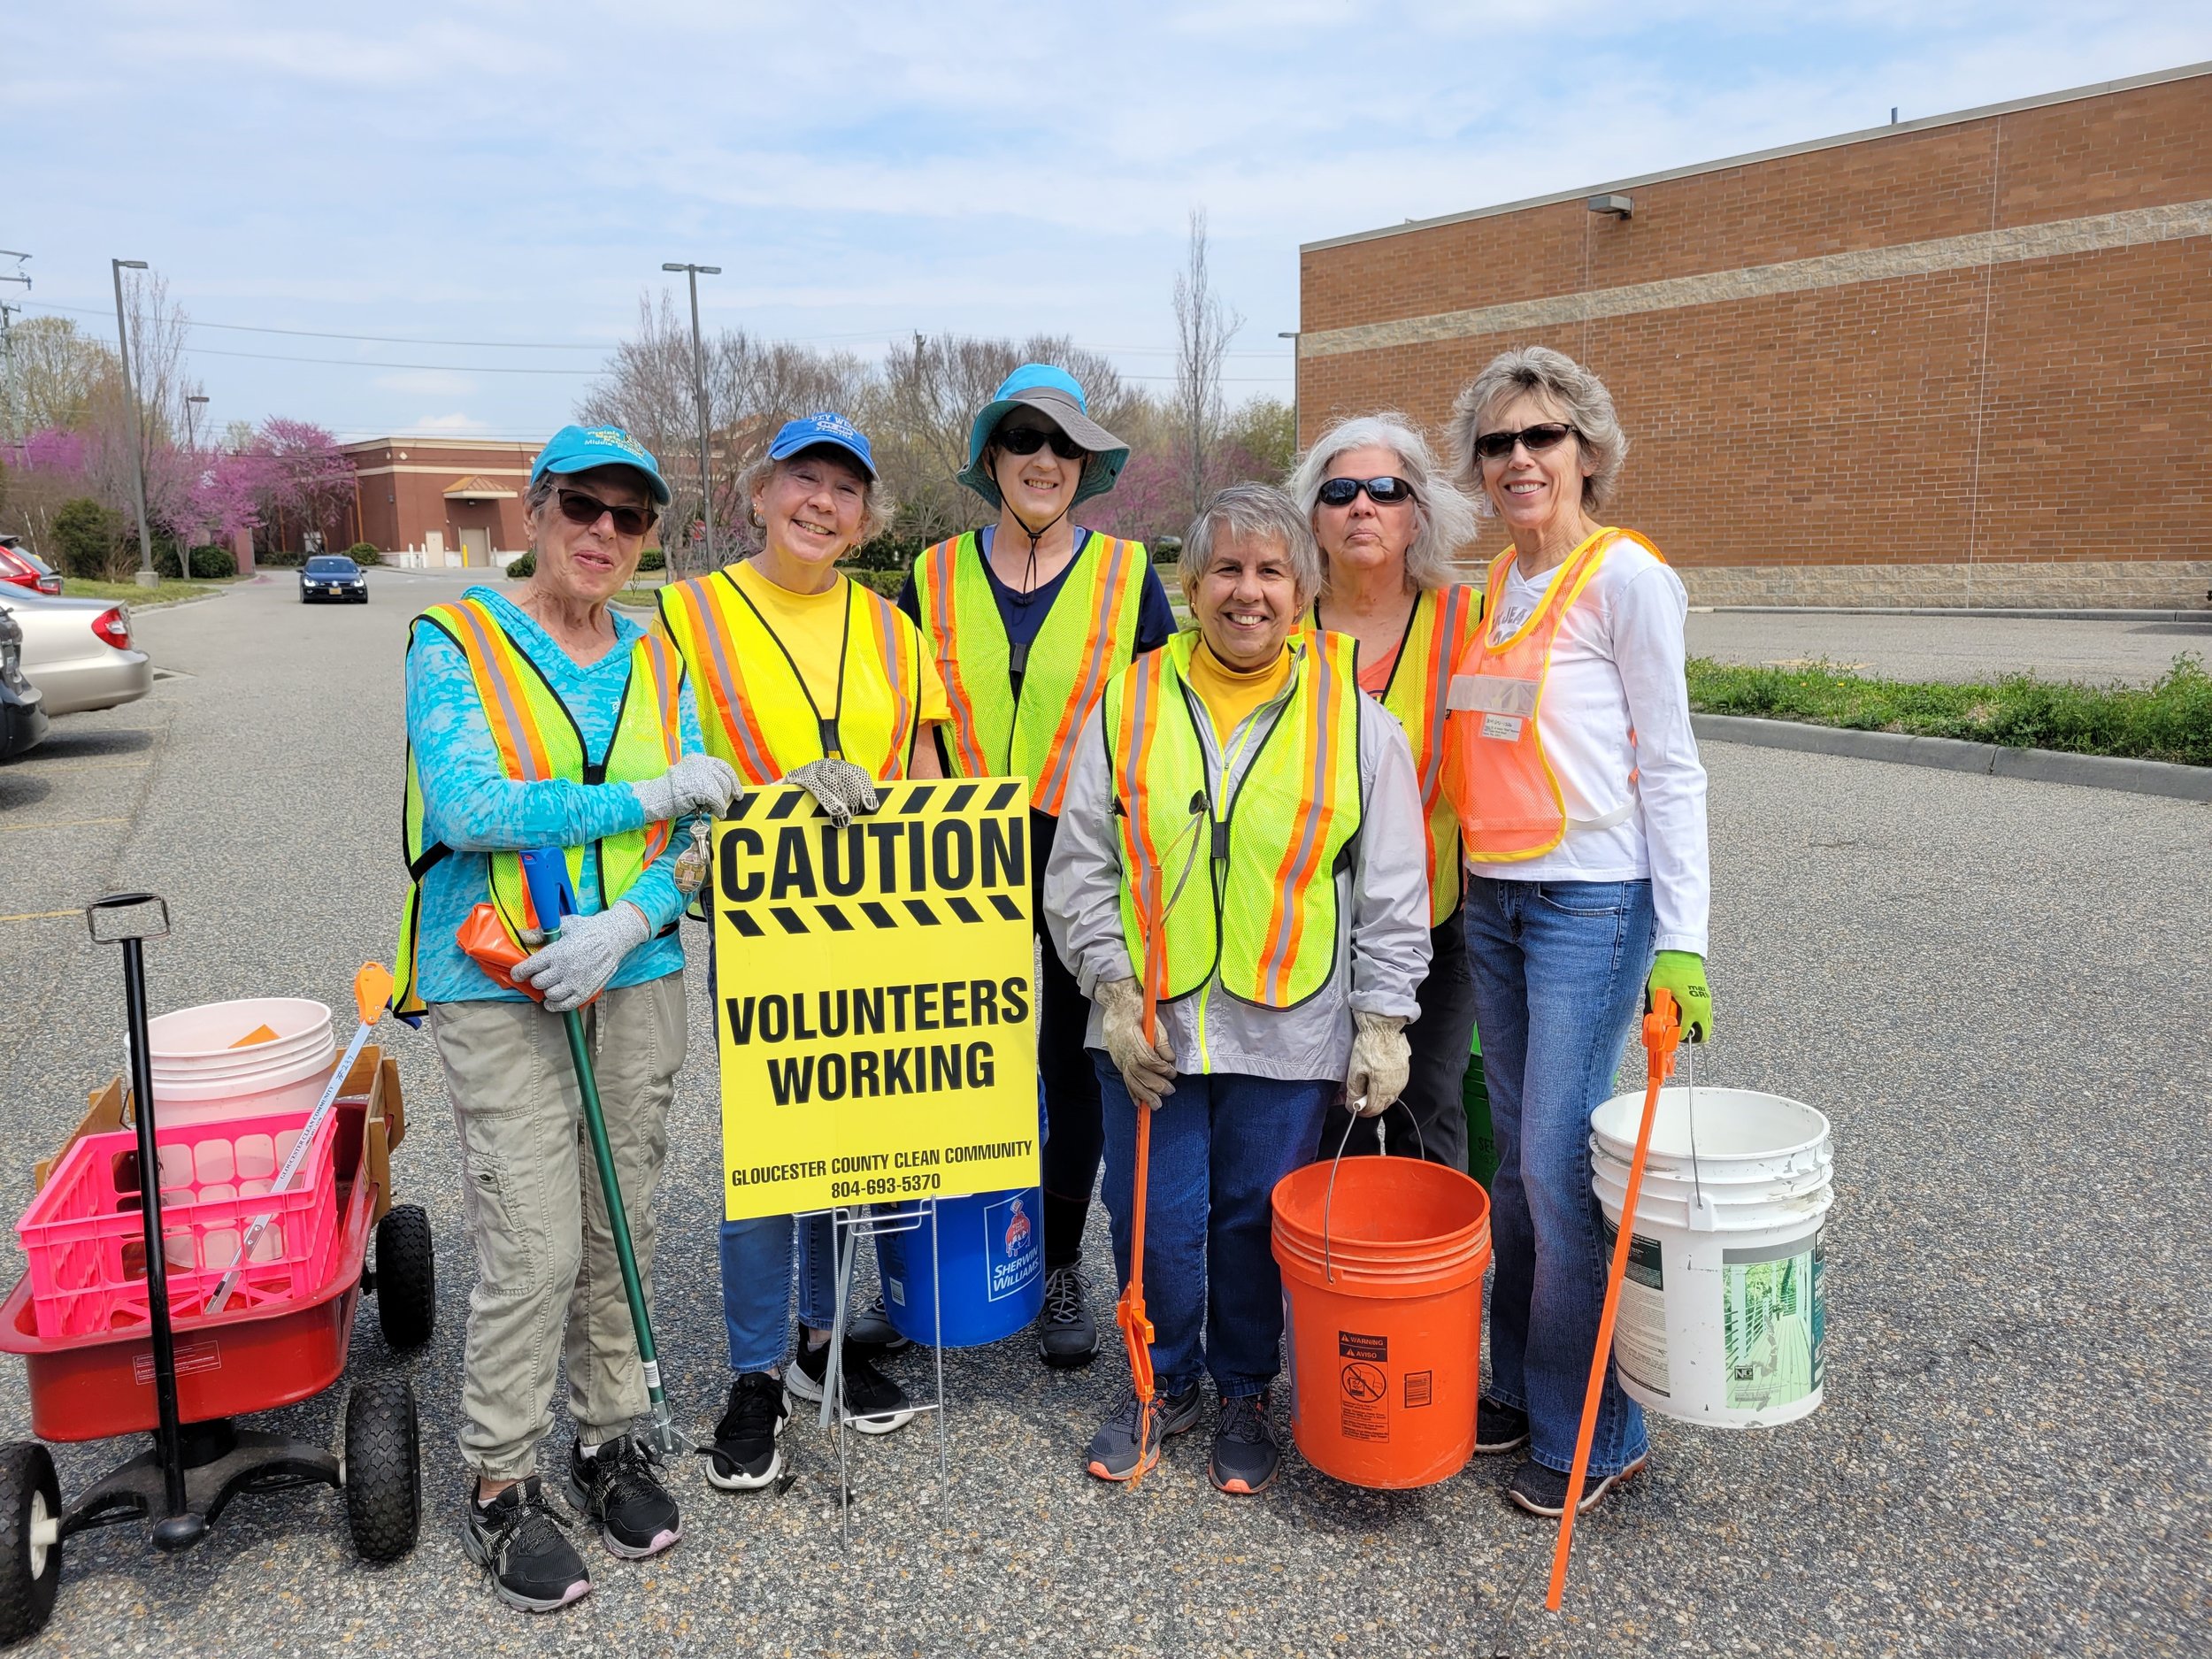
(1681, 974)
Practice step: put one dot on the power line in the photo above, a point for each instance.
(363, 363)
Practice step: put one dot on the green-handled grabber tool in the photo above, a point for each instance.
(545, 870)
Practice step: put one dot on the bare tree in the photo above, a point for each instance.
(1204, 325)
(57, 368)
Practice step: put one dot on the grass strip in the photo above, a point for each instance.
(2170, 719)
(171, 591)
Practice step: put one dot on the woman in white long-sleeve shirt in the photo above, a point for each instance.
(1581, 802)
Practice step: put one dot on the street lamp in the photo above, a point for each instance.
(146, 577)
(192, 448)
(699, 385)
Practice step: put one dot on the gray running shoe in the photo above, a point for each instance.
(1245, 1455)
(1114, 1455)
(1067, 1336)
(868, 1324)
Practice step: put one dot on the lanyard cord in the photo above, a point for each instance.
(829, 734)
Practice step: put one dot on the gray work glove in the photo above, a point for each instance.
(1382, 1060)
(1147, 1069)
(697, 783)
(576, 967)
(841, 787)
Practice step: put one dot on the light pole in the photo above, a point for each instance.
(146, 577)
(192, 448)
(699, 386)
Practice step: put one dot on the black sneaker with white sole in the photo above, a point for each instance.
(1543, 1491)
(619, 1487)
(1499, 1427)
(743, 1457)
(523, 1547)
(868, 1324)
(876, 1404)
(1067, 1336)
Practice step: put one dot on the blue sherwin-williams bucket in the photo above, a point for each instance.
(990, 1260)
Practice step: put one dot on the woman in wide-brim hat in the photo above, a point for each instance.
(1028, 619)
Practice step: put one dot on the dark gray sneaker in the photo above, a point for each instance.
(868, 1324)
(1113, 1454)
(620, 1488)
(1499, 1428)
(523, 1547)
(1542, 1491)
(1067, 1336)
(1245, 1456)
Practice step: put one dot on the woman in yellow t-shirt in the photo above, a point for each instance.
(803, 676)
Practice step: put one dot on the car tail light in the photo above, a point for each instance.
(50, 584)
(113, 626)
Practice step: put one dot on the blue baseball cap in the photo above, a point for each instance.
(580, 448)
(838, 433)
(1058, 396)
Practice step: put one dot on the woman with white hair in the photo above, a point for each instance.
(1388, 521)
(1581, 803)
(1241, 823)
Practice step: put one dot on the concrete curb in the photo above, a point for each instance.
(1960, 612)
(2040, 765)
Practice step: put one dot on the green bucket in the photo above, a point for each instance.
(1482, 1151)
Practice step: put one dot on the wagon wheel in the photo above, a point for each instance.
(383, 1471)
(406, 1277)
(30, 1539)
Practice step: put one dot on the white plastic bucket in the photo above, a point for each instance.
(1722, 1315)
(200, 1073)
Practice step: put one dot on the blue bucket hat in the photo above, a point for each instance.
(580, 448)
(809, 431)
(1058, 396)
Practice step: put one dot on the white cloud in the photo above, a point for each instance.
(456, 424)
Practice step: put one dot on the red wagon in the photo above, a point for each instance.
(248, 1358)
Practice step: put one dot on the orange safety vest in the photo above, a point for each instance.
(1088, 636)
(1504, 790)
(1443, 625)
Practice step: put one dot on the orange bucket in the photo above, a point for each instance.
(1382, 1302)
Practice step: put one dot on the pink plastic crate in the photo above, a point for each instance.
(86, 1243)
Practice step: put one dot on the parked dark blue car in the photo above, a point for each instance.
(333, 576)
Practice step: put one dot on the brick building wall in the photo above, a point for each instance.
(1963, 360)
(404, 508)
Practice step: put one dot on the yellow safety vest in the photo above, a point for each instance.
(538, 741)
(1088, 636)
(1442, 626)
(755, 709)
(1247, 885)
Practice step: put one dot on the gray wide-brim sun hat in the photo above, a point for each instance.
(1057, 395)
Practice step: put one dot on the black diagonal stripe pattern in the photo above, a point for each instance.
(964, 910)
(791, 921)
(1002, 797)
(744, 922)
(838, 923)
(1006, 907)
(921, 912)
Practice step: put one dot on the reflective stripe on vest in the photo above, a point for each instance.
(1088, 636)
(1503, 789)
(1440, 629)
(1248, 888)
(756, 711)
(536, 739)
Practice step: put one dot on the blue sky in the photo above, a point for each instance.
(515, 173)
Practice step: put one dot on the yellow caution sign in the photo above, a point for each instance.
(874, 997)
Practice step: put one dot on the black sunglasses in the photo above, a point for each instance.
(1495, 446)
(1383, 492)
(578, 508)
(1029, 439)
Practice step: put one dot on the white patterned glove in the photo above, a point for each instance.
(576, 967)
(1382, 1062)
(1147, 1069)
(841, 787)
(697, 783)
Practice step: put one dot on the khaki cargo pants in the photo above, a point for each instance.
(530, 1195)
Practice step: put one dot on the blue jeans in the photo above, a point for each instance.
(1219, 1144)
(757, 1286)
(1559, 973)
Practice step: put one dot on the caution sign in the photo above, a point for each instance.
(873, 995)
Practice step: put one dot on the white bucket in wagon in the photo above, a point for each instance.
(205, 1069)
(1723, 1314)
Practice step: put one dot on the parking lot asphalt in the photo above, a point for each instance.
(1951, 647)
(1997, 990)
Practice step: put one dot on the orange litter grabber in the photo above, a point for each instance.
(1663, 1032)
(1136, 1329)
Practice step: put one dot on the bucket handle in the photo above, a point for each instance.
(1328, 1202)
(1703, 1217)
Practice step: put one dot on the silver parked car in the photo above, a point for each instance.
(78, 651)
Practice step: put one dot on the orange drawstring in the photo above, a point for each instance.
(1662, 1031)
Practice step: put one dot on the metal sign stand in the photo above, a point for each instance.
(847, 1227)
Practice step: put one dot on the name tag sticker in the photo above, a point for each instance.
(1504, 726)
(1493, 693)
